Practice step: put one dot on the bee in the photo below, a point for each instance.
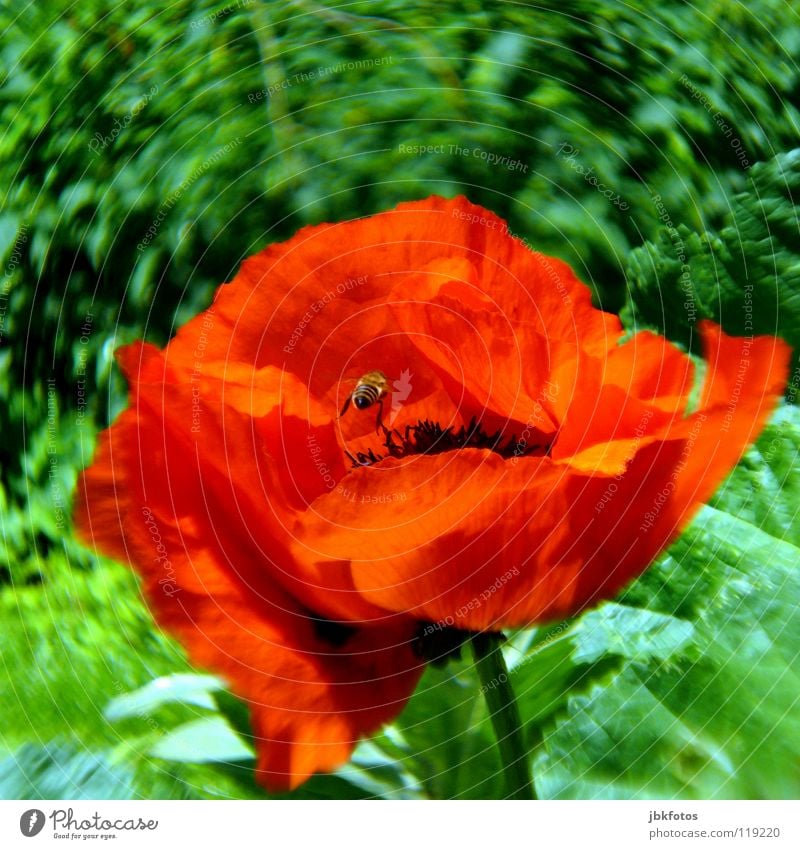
(370, 389)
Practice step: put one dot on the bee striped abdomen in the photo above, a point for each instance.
(365, 396)
(369, 390)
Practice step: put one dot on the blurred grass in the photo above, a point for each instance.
(647, 97)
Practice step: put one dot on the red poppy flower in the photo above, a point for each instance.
(521, 461)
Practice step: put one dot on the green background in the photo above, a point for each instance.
(118, 116)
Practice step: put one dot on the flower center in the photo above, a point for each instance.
(427, 437)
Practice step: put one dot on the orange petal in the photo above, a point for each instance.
(314, 688)
(431, 535)
(470, 539)
(304, 303)
(610, 406)
(311, 699)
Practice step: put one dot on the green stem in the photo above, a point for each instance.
(502, 704)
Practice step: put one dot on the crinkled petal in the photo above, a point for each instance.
(314, 686)
(436, 536)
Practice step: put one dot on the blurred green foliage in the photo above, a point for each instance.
(145, 151)
(746, 277)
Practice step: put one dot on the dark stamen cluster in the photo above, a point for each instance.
(427, 437)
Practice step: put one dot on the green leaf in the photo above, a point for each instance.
(73, 641)
(687, 687)
(764, 488)
(202, 741)
(746, 277)
(542, 678)
(380, 773)
(62, 771)
(181, 688)
(442, 742)
(629, 632)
